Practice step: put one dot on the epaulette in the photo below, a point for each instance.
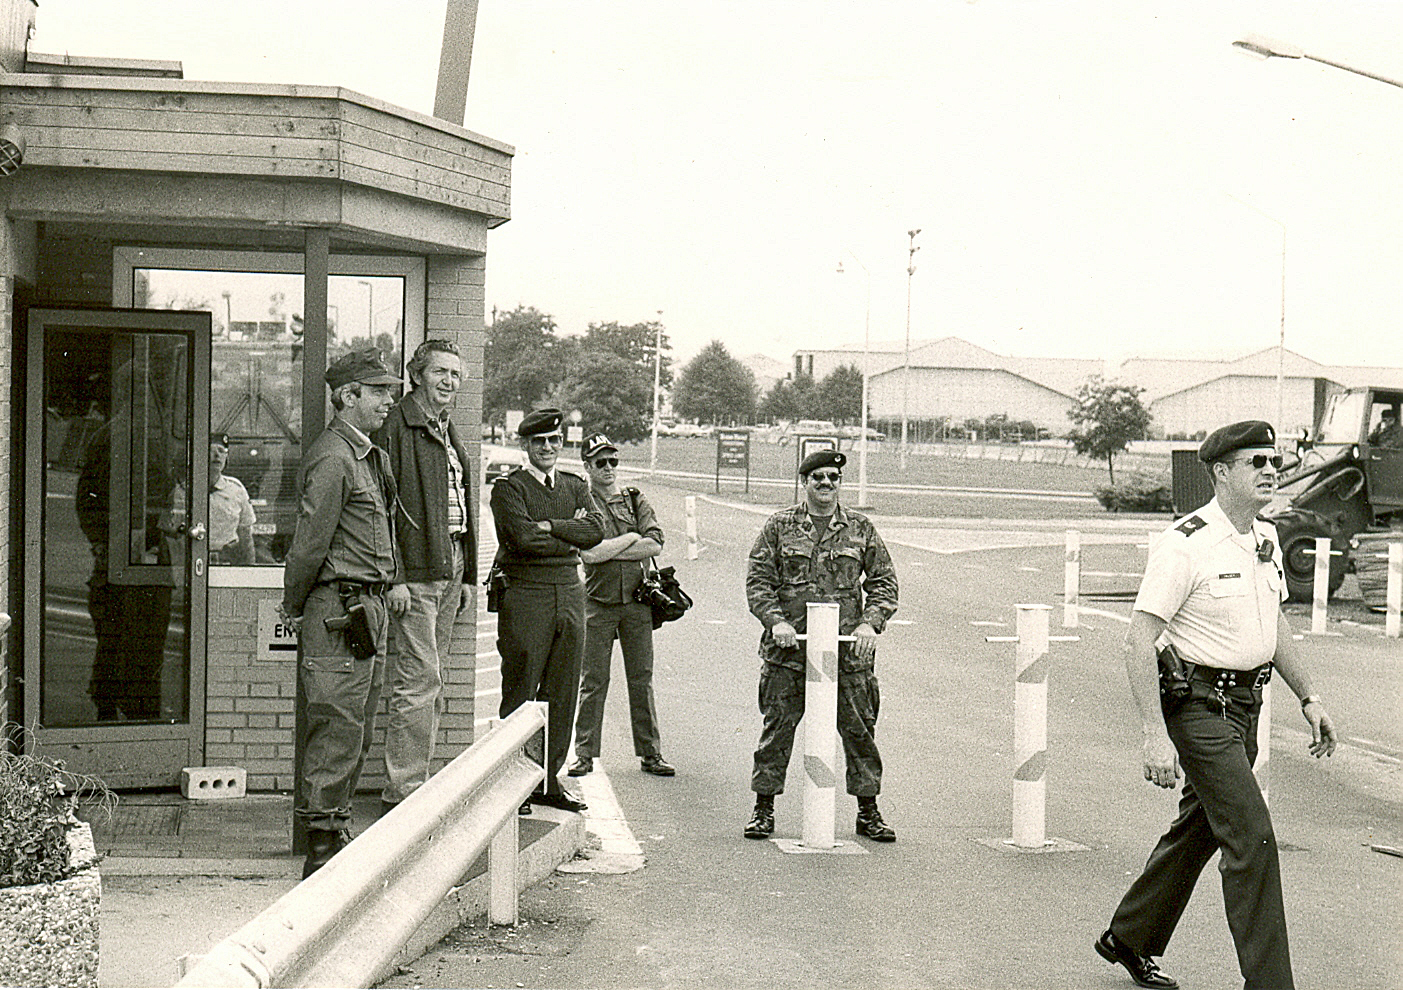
(1191, 525)
(631, 491)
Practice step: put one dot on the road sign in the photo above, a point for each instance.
(733, 451)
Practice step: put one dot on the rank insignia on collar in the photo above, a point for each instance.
(1191, 525)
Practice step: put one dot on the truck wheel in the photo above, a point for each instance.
(1300, 565)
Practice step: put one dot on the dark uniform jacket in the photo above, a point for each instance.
(528, 554)
(419, 463)
(343, 529)
(791, 565)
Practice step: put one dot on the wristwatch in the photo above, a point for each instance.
(1310, 699)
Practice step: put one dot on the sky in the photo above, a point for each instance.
(1090, 178)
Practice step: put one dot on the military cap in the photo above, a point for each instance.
(539, 421)
(359, 366)
(1226, 439)
(596, 442)
(220, 438)
(822, 458)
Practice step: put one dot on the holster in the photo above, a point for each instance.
(496, 584)
(1174, 688)
(355, 626)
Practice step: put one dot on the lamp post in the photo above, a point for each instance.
(906, 367)
(657, 390)
(369, 309)
(866, 348)
(1281, 339)
(1255, 44)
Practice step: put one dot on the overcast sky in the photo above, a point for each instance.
(1091, 178)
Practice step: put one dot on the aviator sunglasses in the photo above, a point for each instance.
(826, 476)
(606, 462)
(1259, 461)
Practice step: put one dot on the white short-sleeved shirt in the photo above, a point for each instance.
(229, 508)
(1222, 604)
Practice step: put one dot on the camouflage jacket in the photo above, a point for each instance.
(792, 564)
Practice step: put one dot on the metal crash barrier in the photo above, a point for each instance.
(342, 926)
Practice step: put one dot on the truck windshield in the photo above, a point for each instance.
(1343, 417)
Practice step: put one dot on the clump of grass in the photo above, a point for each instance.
(38, 801)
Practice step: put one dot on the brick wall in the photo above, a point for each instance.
(7, 283)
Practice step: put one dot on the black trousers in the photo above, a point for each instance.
(1222, 808)
(540, 636)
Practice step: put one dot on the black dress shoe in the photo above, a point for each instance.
(659, 767)
(560, 799)
(525, 808)
(1142, 969)
(581, 767)
(761, 824)
(322, 844)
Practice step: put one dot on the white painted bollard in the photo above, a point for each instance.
(1030, 727)
(1071, 581)
(1321, 591)
(691, 502)
(820, 724)
(1393, 591)
(1262, 768)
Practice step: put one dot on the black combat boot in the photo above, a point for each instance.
(869, 821)
(762, 821)
(322, 844)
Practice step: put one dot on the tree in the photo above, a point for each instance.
(1107, 416)
(634, 343)
(612, 395)
(715, 388)
(840, 395)
(521, 362)
(789, 399)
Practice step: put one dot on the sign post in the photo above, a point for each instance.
(733, 451)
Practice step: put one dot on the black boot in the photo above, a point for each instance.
(322, 844)
(870, 824)
(762, 821)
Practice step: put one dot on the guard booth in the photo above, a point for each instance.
(1190, 487)
(182, 257)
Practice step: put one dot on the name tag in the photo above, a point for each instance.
(1225, 577)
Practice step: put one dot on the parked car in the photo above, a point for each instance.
(498, 462)
(854, 432)
(809, 428)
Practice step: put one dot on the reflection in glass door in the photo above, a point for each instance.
(120, 560)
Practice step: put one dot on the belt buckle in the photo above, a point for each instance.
(1263, 676)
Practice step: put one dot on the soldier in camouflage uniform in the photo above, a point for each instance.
(818, 551)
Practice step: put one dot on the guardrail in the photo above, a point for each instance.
(342, 926)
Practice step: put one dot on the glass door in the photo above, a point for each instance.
(117, 418)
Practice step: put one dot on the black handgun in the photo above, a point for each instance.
(496, 584)
(355, 626)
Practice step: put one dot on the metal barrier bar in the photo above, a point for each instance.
(1393, 591)
(342, 926)
(1321, 588)
(1030, 727)
(820, 725)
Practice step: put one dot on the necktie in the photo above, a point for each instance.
(549, 486)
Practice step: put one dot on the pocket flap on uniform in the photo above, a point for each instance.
(329, 664)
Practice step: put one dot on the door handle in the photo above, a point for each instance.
(196, 532)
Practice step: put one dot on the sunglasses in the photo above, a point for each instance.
(606, 462)
(551, 440)
(826, 476)
(1264, 551)
(1259, 461)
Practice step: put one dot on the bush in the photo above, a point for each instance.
(1137, 493)
(38, 798)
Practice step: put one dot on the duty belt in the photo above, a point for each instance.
(376, 588)
(1224, 679)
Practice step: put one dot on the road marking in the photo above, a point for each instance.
(986, 622)
(619, 851)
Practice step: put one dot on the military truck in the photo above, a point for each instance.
(1347, 485)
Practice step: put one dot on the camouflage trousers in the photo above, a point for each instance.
(782, 705)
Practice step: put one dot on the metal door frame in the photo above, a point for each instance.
(81, 747)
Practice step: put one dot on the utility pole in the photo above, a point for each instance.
(906, 370)
(657, 390)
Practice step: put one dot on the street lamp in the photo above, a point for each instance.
(1255, 44)
(369, 309)
(657, 390)
(1281, 342)
(866, 347)
(906, 369)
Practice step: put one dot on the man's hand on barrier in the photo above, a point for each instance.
(784, 635)
(865, 641)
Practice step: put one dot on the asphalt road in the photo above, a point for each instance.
(948, 905)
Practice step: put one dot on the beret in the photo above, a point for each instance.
(359, 366)
(539, 421)
(1226, 439)
(220, 438)
(596, 442)
(822, 458)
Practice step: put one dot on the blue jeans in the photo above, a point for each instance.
(415, 678)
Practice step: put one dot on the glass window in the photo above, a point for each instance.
(257, 370)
